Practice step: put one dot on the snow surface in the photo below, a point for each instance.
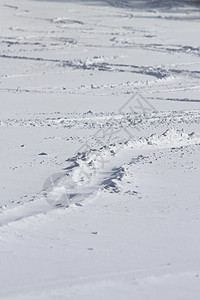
(100, 150)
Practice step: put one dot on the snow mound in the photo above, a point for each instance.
(172, 136)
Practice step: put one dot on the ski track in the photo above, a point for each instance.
(35, 48)
(96, 171)
(92, 120)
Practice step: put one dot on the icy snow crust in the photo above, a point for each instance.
(100, 143)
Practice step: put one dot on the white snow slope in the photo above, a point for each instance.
(100, 150)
